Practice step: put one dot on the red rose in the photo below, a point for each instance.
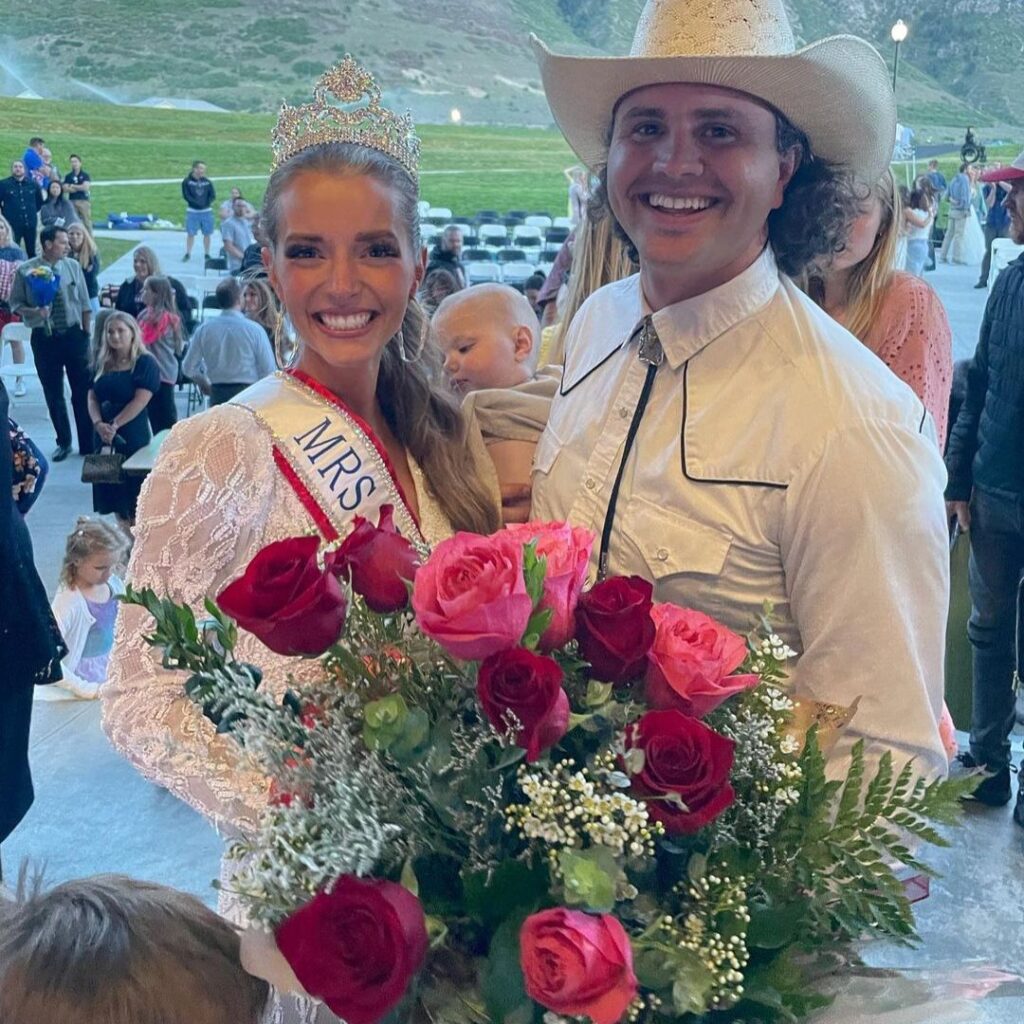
(470, 595)
(567, 552)
(286, 600)
(530, 686)
(614, 628)
(685, 759)
(356, 947)
(690, 661)
(577, 964)
(380, 561)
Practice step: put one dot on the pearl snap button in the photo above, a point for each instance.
(662, 554)
(590, 483)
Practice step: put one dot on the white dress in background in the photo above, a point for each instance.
(973, 246)
(214, 499)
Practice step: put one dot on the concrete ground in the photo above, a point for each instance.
(93, 813)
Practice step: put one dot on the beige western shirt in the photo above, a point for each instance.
(776, 458)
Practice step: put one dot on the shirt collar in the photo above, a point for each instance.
(688, 326)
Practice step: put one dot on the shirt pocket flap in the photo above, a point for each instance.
(670, 544)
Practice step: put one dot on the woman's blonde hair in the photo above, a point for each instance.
(4, 223)
(90, 536)
(164, 302)
(266, 314)
(599, 257)
(86, 254)
(869, 279)
(151, 258)
(419, 407)
(104, 355)
(120, 951)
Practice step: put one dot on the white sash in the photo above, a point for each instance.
(331, 460)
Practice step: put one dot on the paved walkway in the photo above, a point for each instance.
(94, 813)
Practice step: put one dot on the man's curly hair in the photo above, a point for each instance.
(813, 222)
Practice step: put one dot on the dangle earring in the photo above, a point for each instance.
(405, 356)
(285, 348)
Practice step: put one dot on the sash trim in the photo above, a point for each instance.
(327, 395)
(307, 500)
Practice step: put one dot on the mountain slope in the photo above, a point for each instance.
(961, 63)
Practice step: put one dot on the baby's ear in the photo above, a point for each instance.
(523, 343)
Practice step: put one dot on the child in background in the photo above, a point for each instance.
(164, 340)
(85, 605)
(111, 950)
(489, 336)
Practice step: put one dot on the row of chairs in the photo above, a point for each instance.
(498, 235)
(514, 273)
(541, 257)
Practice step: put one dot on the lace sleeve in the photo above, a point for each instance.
(206, 509)
(918, 345)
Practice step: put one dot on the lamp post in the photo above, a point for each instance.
(898, 33)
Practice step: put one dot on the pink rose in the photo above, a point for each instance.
(567, 550)
(577, 964)
(690, 662)
(470, 595)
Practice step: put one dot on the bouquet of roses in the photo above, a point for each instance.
(508, 797)
(43, 285)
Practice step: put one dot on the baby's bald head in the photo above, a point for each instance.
(489, 336)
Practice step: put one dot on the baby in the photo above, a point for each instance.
(111, 950)
(489, 336)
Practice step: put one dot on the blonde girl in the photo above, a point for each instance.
(85, 605)
(164, 339)
(83, 249)
(126, 377)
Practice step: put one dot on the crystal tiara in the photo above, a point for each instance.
(322, 121)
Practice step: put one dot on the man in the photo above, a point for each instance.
(34, 161)
(229, 353)
(236, 233)
(986, 495)
(76, 186)
(20, 201)
(199, 195)
(60, 339)
(938, 180)
(997, 221)
(959, 211)
(722, 436)
(447, 254)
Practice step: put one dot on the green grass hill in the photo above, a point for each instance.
(961, 63)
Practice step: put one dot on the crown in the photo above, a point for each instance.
(324, 120)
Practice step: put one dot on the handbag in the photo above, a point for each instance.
(103, 467)
(959, 681)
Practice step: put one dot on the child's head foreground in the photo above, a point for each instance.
(111, 950)
(94, 549)
(489, 337)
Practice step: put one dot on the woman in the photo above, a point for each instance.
(11, 256)
(129, 294)
(126, 380)
(918, 218)
(343, 244)
(83, 249)
(30, 645)
(974, 235)
(259, 303)
(57, 208)
(162, 336)
(896, 315)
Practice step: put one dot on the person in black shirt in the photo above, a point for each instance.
(20, 200)
(129, 294)
(76, 188)
(199, 194)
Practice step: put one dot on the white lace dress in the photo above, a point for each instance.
(213, 500)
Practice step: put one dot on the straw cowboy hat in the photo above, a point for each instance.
(836, 91)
